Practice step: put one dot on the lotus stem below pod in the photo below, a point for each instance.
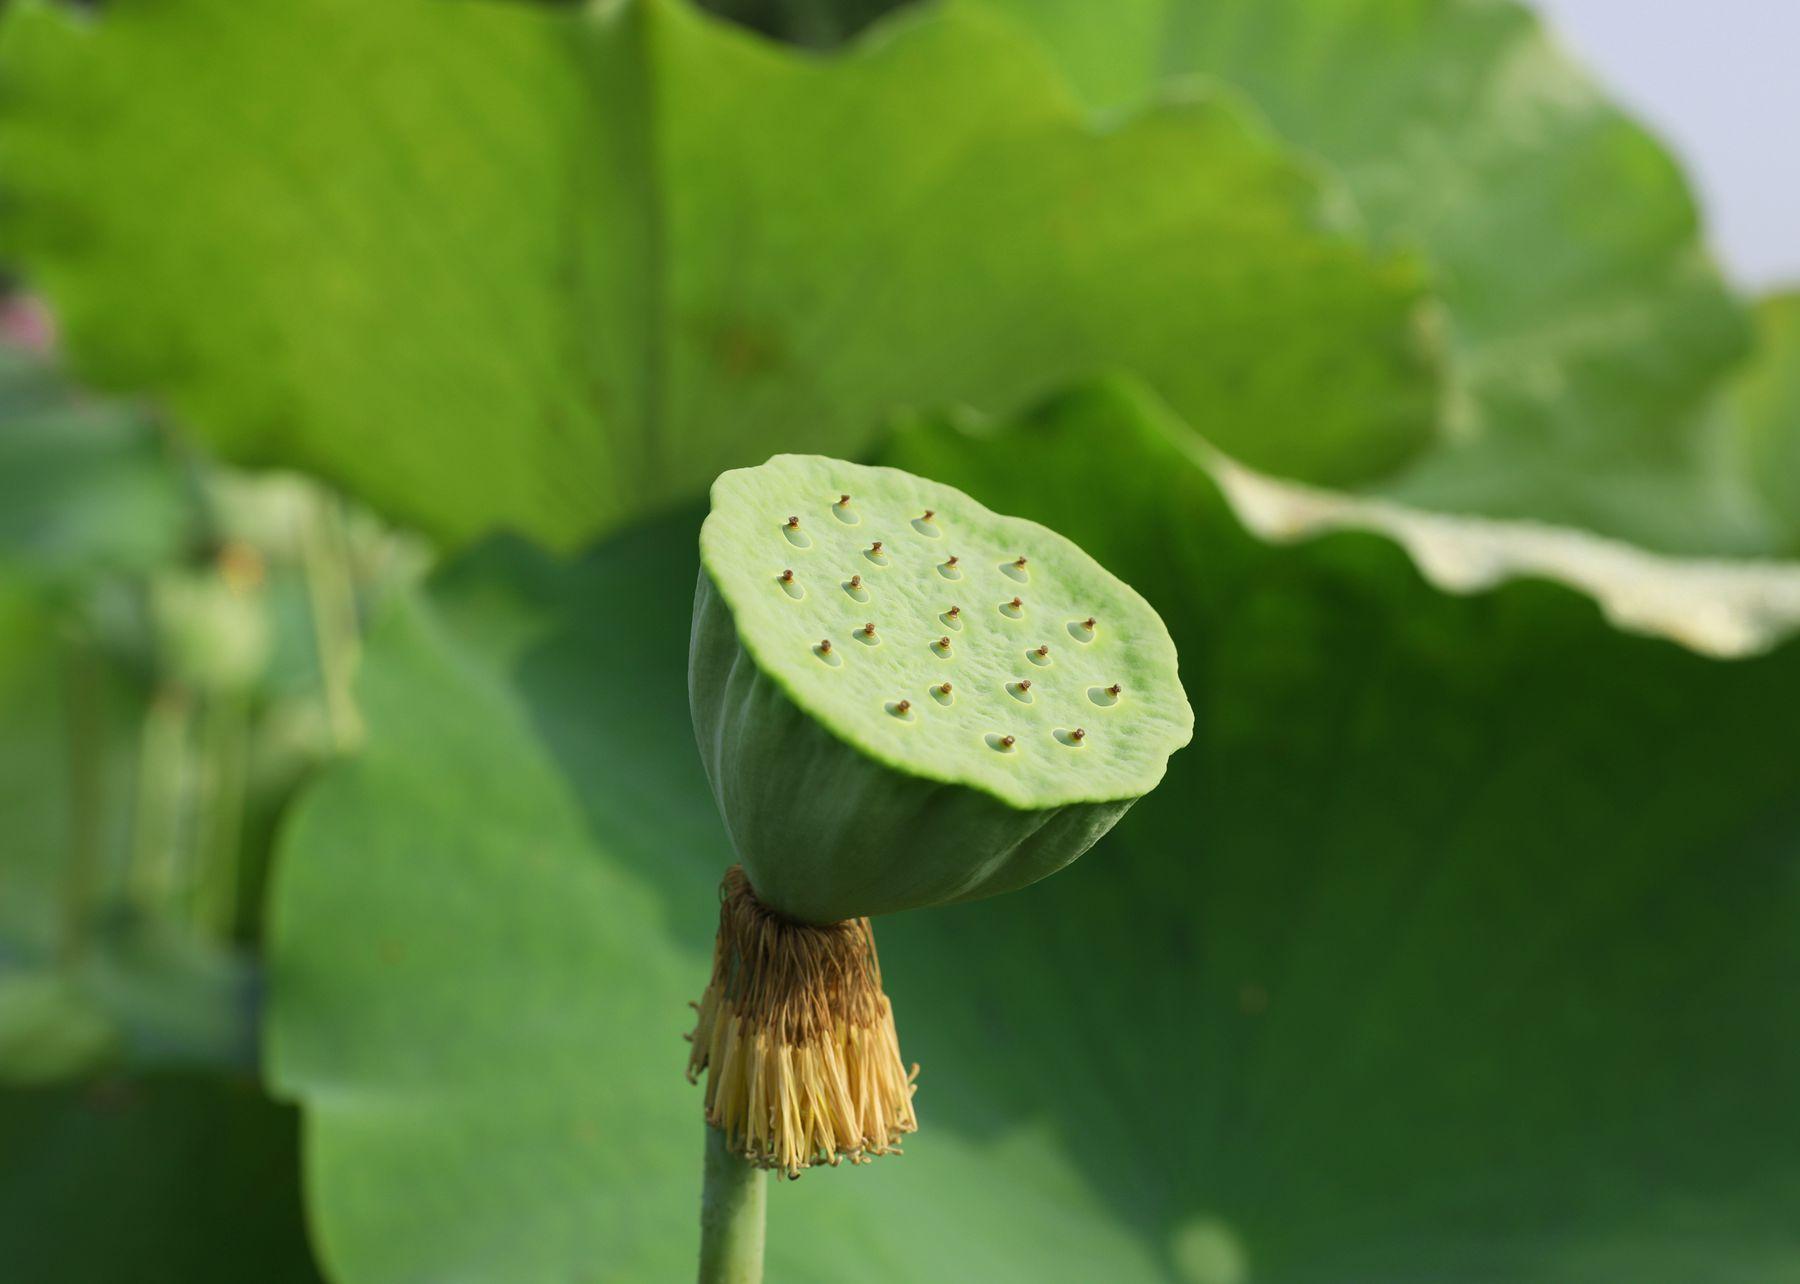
(902, 699)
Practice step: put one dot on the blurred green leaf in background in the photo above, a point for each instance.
(659, 248)
(1459, 946)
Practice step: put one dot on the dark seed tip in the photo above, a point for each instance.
(1007, 741)
(1024, 684)
(904, 705)
(1114, 689)
(787, 576)
(1043, 650)
(793, 521)
(869, 629)
(842, 500)
(825, 645)
(929, 514)
(1080, 733)
(1088, 624)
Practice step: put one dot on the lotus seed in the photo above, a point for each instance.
(928, 514)
(904, 705)
(825, 645)
(944, 642)
(843, 500)
(1020, 563)
(945, 688)
(1080, 733)
(1088, 624)
(1016, 603)
(787, 577)
(954, 611)
(1043, 650)
(869, 630)
(1006, 741)
(856, 581)
(875, 547)
(793, 523)
(1024, 684)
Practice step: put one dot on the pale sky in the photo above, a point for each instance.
(1717, 80)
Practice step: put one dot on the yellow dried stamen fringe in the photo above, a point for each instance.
(798, 1040)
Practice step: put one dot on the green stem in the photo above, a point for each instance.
(731, 1216)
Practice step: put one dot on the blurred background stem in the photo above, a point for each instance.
(81, 676)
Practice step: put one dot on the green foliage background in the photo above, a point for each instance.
(1462, 942)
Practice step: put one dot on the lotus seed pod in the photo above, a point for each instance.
(902, 699)
(940, 703)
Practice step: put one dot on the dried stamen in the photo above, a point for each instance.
(797, 1040)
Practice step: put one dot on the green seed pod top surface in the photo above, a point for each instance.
(942, 639)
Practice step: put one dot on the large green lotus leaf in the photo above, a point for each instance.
(501, 264)
(1587, 324)
(163, 1180)
(1461, 944)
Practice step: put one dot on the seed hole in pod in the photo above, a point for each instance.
(1074, 739)
(925, 524)
(943, 694)
(866, 635)
(1040, 656)
(876, 553)
(941, 648)
(790, 585)
(1083, 630)
(950, 568)
(1013, 610)
(1020, 690)
(999, 743)
(855, 587)
(828, 653)
(1105, 697)
(795, 536)
(1015, 570)
(843, 512)
(951, 619)
(901, 709)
